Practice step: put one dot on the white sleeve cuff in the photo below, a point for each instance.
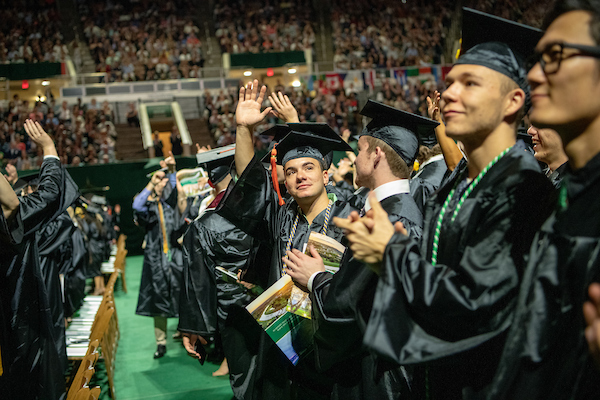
(311, 279)
(51, 156)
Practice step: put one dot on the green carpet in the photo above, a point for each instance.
(176, 376)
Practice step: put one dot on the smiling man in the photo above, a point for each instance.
(253, 206)
(444, 304)
(546, 355)
(548, 149)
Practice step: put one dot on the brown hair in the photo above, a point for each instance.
(425, 153)
(397, 165)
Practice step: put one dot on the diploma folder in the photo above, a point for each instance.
(283, 310)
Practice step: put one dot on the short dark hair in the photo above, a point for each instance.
(564, 6)
(396, 163)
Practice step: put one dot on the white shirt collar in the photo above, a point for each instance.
(432, 159)
(389, 189)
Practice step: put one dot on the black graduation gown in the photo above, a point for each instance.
(159, 286)
(453, 316)
(55, 249)
(75, 273)
(263, 370)
(546, 354)
(341, 306)
(96, 245)
(558, 174)
(427, 180)
(211, 241)
(29, 356)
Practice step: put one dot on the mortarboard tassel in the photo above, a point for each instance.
(274, 174)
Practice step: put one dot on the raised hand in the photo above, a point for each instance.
(40, 137)
(248, 112)
(283, 108)
(170, 162)
(433, 107)
(346, 135)
(12, 176)
(344, 166)
(202, 149)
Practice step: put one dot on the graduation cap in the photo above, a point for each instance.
(316, 141)
(499, 44)
(398, 129)
(309, 140)
(26, 180)
(217, 162)
(322, 130)
(277, 132)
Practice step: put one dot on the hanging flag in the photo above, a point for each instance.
(445, 70)
(333, 81)
(369, 79)
(353, 81)
(400, 76)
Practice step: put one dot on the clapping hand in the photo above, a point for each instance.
(12, 176)
(591, 312)
(248, 112)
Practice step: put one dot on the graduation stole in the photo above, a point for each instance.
(288, 246)
(163, 227)
(467, 192)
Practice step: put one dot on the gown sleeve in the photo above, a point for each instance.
(55, 193)
(424, 312)
(251, 204)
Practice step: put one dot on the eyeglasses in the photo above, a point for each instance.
(553, 54)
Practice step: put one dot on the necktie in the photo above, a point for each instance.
(161, 217)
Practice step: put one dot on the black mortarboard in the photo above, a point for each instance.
(217, 162)
(277, 132)
(399, 129)
(309, 140)
(26, 180)
(499, 44)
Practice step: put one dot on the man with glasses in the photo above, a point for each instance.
(445, 304)
(546, 354)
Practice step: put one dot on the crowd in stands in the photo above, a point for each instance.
(530, 12)
(256, 27)
(338, 108)
(30, 32)
(382, 34)
(84, 134)
(135, 41)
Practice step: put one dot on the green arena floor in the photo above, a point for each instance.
(176, 376)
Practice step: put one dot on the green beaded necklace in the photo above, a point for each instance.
(438, 227)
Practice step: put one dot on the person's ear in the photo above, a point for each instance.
(515, 99)
(325, 177)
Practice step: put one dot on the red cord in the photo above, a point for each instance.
(274, 175)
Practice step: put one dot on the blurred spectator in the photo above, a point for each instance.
(30, 32)
(158, 145)
(255, 27)
(79, 140)
(136, 41)
(132, 115)
(176, 147)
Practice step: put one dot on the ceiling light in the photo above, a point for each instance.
(247, 73)
(292, 71)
